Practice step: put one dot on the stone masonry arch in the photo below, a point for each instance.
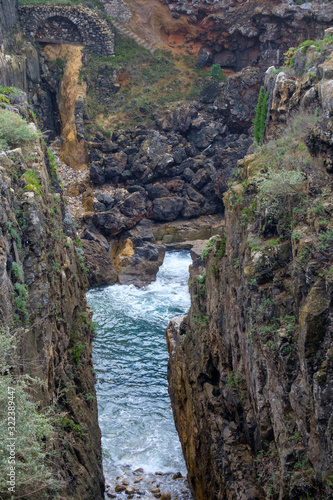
(67, 24)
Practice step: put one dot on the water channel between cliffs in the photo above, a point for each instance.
(139, 438)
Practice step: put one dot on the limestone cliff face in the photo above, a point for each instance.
(8, 14)
(42, 292)
(250, 368)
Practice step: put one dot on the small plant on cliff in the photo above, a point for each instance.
(261, 114)
(210, 243)
(280, 183)
(216, 72)
(20, 301)
(14, 130)
(32, 182)
(16, 271)
(14, 234)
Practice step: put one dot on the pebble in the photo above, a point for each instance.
(155, 490)
(178, 475)
(138, 484)
(119, 488)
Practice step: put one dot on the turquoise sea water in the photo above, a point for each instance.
(130, 360)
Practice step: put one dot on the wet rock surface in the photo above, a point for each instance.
(138, 484)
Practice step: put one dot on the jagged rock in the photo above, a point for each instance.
(179, 120)
(247, 357)
(114, 222)
(97, 175)
(188, 175)
(201, 178)
(240, 95)
(54, 300)
(138, 258)
(210, 92)
(106, 199)
(133, 205)
(98, 260)
(204, 137)
(194, 195)
(190, 209)
(157, 191)
(166, 209)
(203, 57)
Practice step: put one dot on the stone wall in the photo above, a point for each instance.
(39, 20)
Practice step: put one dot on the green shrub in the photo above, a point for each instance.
(281, 183)
(210, 243)
(20, 301)
(16, 271)
(53, 164)
(216, 72)
(261, 114)
(14, 234)
(14, 130)
(32, 181)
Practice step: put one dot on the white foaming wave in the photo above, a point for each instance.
(151, 442)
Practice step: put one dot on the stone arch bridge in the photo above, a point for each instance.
(67, 24)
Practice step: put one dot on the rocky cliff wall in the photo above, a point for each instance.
(250, 368)
(21, 68)
(42, 299)
(233, 34)
(8, 14)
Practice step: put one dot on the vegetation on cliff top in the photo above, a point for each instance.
(144, 85)
(15, 130)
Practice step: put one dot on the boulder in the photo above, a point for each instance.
(190, 209)
(114, 222)
(167, 209)
(98, 260)
(201, 178)
(194, 195)
(134, 205)
(97, 175)
(157, 191)
(188, 175)
(204, 137)
(210, 92)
